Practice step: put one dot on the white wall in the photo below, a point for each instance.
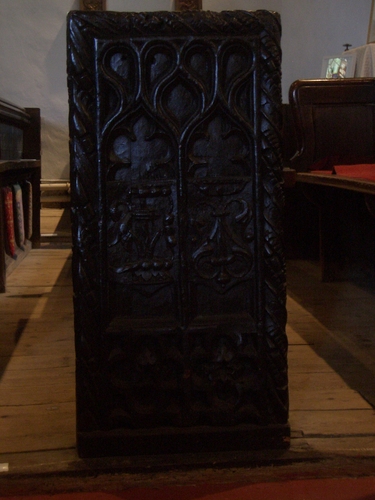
(311, 29)
(33, 52)
(318, 28)
(32, 70)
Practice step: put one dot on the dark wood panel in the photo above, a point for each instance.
(333, 118)
(178, 263)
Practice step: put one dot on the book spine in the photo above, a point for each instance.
(19, 217)
(9, 222)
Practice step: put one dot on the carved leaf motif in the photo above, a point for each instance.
(225, 368)
(221, 238)
(219, 150)
(146, 371)
(138, 150)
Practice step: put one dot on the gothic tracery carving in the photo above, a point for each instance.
(176, 206)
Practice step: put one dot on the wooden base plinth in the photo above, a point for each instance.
(192, 440)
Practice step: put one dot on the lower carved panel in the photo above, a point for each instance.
(143, 379)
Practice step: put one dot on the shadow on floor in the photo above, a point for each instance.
(346, 311)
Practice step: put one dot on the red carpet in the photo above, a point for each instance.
(314, 489)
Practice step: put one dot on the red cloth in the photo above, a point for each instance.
(360, 171)
(328, 163)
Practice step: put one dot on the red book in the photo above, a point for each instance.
(19, 222)
(9, 221)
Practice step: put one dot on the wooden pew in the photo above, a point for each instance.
(334, 124)
(20, 163)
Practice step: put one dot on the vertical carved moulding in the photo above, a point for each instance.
(179, 277)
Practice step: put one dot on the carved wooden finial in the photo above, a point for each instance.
(93, 5)
(188, 4)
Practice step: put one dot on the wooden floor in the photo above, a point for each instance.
(331, 361)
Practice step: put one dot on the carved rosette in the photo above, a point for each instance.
(178, 258)
(188, 4)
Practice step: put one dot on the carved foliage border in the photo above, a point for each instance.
(273, 207)
(83, 29)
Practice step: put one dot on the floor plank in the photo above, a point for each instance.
(331, 423)
(37, 427)
(330, 399)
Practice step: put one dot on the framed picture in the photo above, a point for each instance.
(341, 66)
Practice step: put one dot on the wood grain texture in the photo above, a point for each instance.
(37, 359)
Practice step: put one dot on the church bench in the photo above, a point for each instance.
(333, 126)
(20, 172)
